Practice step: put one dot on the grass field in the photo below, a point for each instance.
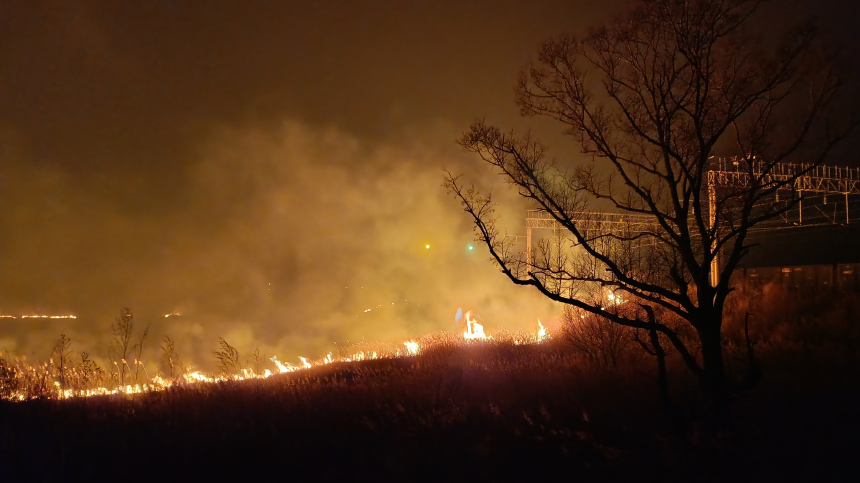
(491, 411)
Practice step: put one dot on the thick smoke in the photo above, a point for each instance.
(269, 173)
(283, 238)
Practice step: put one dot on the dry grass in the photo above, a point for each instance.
(494, 410)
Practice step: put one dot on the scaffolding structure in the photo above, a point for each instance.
(724, 173)
(807, 177)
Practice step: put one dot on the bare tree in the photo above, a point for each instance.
(88, 373)
(9, 379)
(650, 97)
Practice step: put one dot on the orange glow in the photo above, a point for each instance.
(48, 317)
(413, 347)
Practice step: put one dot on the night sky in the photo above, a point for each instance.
(267, 169)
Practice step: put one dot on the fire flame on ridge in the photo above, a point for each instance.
(474, 331)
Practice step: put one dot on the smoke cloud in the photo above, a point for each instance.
(265, 172)
(287, 238)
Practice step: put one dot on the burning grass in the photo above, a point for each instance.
(493, 409)
(479, 409)
(62, 378)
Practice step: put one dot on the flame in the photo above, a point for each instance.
(614, 298)
(474, 330)
(541, 332)
(281, 367)
(411, 347)
(48, 317)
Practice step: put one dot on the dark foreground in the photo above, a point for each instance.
(485, 412)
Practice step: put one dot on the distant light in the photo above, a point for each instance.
(471, 247)
(48, 317)
(427, 247)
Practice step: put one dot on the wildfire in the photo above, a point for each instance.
(48, 317)
(474, 330)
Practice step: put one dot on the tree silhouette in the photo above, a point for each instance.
(651, 96)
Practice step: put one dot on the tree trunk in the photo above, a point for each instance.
(713, 379)
(662, 375)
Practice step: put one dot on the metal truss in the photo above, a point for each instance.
(589, 220)
(725, 172)
(588, 223)
(798, 177)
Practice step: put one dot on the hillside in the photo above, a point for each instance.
(482, 410)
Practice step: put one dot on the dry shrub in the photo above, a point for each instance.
(792, 331)
(88, 375)
(228, 358)
(600, 341)
(783, 315)
(8, 379)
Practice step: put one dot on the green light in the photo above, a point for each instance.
(471, 248)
